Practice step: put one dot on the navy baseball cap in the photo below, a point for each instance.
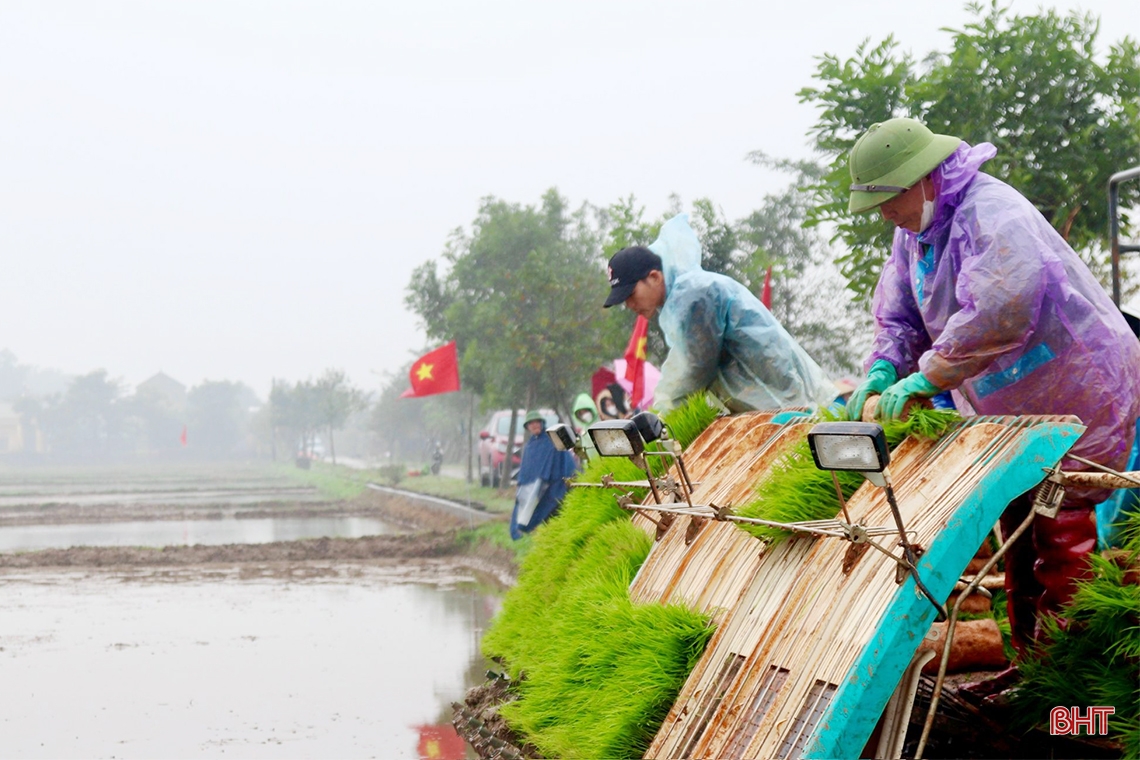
(628, 267)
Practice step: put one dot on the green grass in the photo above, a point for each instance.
(797, 491)
(333, 482)
(458, 489)
(1095, 659)
(339, 482)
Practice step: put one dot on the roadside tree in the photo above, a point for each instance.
(336, 399)
(404, 429)
(295, 416)
(521, 297)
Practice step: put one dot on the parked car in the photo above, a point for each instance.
(493, 445)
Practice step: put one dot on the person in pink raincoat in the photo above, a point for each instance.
(981, 296)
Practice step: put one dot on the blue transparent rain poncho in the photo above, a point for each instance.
(722, 338)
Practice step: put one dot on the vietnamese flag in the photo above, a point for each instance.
(435, 372)
(766, 293)
(182, 438)
(635, 361)
(441, 742)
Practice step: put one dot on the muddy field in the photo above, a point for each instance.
(425, 532)
(321, 647)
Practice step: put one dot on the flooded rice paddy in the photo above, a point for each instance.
(241, 659)
(261, 530)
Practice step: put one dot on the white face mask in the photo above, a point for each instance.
(927, 213)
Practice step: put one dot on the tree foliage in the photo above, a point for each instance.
(308, 407)
(217, 414)
(336, 399)
(86, 422)
(404, 429)
(160, 418)
(1063, 118)
(521, 296)
(808, 294)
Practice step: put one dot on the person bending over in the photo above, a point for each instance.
(720, 337)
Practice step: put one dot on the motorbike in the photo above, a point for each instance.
(436, 457)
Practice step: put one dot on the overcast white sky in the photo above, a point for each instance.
(229, 189)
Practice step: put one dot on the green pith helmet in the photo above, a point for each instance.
(892, 156)
(534, 417)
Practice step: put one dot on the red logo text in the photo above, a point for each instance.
(1064, 721)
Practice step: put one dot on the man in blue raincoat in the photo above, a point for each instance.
(542, 478)
(981, 296)
(720, 337)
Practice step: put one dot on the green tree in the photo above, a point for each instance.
(13, 376)
(160, 422)
(87, 421)
(18, 380)
(336, 400)
(521, 297)
(623, 224)
(720, 247)
(808, 294)
(218, 417)
(1062, 117)
(295, 415)
(404, 428)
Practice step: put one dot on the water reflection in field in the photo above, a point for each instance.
(354, 665)
(186, 532)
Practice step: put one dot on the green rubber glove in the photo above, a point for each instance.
(881, 377)
(893, 400)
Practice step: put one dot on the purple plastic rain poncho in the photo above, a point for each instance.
(721, 337)
(992, 302)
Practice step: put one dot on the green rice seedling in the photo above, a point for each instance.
(797, 491)
(557, 547)
(596, 674)
(558, 543)
(999, 611)
(608, 671)
(689, 419)
(1095, 658)
(522, 632)
(609, 700)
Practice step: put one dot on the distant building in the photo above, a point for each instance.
(170, 392)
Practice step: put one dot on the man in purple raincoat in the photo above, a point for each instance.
(982, 297)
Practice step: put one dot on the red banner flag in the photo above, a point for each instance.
(635, 361)
(766, 293)
(182, 438)
(435, 372)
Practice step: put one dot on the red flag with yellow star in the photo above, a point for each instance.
(635, 361)
(435, 372)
